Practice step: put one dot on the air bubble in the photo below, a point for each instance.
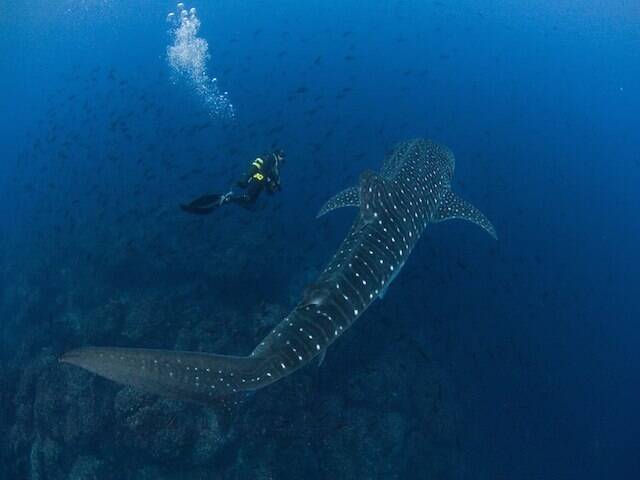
(188, 56)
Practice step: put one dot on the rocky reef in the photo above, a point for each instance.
(385, 416)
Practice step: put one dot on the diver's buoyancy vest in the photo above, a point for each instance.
(258, 163)
(262, 167)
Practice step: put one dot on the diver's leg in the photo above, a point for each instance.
(247, 200)
(242, 199)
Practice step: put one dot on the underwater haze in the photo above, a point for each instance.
(514, 358)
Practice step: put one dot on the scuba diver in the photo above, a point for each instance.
(263, 173)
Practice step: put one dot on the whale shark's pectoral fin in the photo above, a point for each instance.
(453, 206)
(349, 197)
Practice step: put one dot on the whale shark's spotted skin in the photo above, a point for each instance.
(412, 190)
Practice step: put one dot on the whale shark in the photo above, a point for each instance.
(395, 205)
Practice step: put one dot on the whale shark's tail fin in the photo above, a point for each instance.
(453, 206)
(197, 377)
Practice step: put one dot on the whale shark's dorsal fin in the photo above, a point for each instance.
(452, 206)
(349, 197)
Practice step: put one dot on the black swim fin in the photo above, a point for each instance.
(202, 205)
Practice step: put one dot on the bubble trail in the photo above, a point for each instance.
(187, 56)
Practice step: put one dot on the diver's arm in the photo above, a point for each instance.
(273, 186)
(274, 181)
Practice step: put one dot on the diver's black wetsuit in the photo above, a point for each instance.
(264, 173)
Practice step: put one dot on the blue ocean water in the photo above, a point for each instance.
(508, 359)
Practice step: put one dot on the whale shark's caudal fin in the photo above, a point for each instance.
(349, 197)
(453, 206)
(198, 377)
